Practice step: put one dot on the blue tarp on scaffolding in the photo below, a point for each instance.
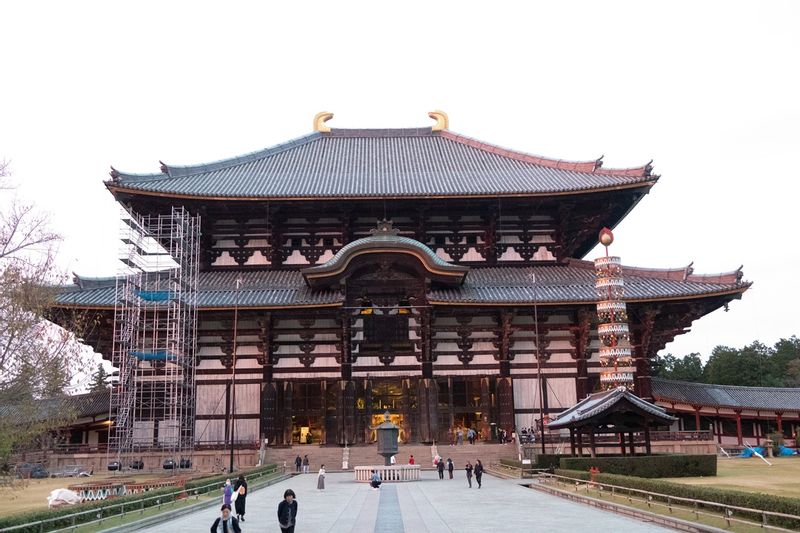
(154, 296)
(157, 355)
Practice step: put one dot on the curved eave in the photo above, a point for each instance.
(450, 273)
(116, 189)
(736, 293)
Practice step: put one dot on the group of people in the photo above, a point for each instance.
(457, 435)
(441, 465)
(235, 494)
(301, 465)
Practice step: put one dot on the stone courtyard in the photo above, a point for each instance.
(430, 505)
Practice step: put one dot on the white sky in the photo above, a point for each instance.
(709, 90)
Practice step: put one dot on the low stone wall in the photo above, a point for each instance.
(389, 474)
(202, 460)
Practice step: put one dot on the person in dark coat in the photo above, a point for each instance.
(298, 463)
(287, 512)
(478, 472)
(241, 497)
(450, 467)
(468, 468)
(440, 468)
(226, 523)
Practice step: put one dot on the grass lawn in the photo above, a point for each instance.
(31, 494)
(754, 475)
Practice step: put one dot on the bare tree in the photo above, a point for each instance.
(37, 358)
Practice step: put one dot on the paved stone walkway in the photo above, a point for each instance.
(429, 505)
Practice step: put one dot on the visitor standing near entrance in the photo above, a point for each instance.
(227, 493)
(478, 471)
(226, 523)
(305, 464)
(287, 512)
(241, 497)
(471, 436)
(411, 460)
(392, 460)
(450, 467)
(440, 468)
(321, 478)
(468, 468)
(298, 463)
(459, 436)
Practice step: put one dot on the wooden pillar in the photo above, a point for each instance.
(346, 346)
(428, 407)
(505, 403)
(592, 444)
(581, 343)
(697, 418)
(505, 343)
(622, 443)
(633, 446)
(739, 427)
(227, 411)
(647, 449)
(426, 318)
(572, 441)
(287, 423)
(580, 442)
(486, 408)
(779, 421)
(757, 428)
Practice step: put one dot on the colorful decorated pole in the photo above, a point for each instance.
(615, 350)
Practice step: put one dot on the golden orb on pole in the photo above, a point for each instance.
(606, 237)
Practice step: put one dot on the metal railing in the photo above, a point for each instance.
(726, 512)
(118, 510)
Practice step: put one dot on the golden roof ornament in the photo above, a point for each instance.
(319, 122)
(442, 120)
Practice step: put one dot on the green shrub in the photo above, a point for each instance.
(647, 465)
(766, 502)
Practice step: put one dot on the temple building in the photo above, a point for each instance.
(353, 271)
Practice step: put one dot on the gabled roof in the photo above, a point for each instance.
(600, 403)
(381, 163)
(556, 284)
(90, 404)
(385, 240)
(733, 396)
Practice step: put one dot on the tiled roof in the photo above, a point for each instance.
(595, 404)
(703, 394)
(573, 283)
(90, 404)
(381, 163)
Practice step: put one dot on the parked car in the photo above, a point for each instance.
(72, 471)
(31, 471)
(169, 464)
(114, 466)
(137, 465)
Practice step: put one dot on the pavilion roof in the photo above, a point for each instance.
(599, 404)
(733, 396)
(381, 163)
(572, 283)
(89, 404)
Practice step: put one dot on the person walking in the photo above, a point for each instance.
(468, 468)
(450, 467)
(226, 523)
(241, 497)
(305, 464)
(440, 468)
(227, 493)
(321, 478)
(298, 463)
(411, 460)
(471, 436)
(287, 512)
(375, 481)
(478, 471)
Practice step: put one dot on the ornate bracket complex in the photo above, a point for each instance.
(615, 349)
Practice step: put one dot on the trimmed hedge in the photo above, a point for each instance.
(647, 465)
(138, 501)
(766, 502)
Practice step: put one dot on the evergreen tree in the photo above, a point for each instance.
(99, 379)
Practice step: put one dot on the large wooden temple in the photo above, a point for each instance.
(351, 271)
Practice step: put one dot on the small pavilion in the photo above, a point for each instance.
(616, 411)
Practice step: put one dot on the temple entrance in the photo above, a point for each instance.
(387, 395)
(396, 419)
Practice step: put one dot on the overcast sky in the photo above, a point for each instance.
(709, 90)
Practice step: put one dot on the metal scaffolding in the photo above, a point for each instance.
(155, 337)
